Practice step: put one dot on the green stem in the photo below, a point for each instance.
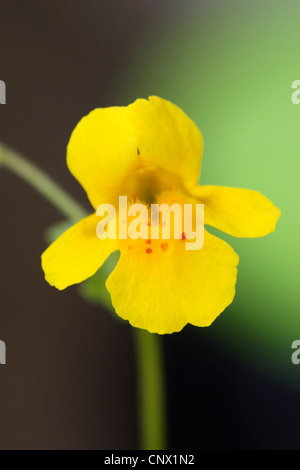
(42, 183)
(150, 370)
(151, 391)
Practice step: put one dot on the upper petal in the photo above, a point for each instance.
(76, 255)
(111, 143)
(166, 286)
(239, 212)
(101, 153)
(166, 137)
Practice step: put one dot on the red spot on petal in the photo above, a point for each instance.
(164, 246)
(148, 251)
(183, 237)
(148, 242)
(129, 247)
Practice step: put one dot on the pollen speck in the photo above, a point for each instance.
(148, 251)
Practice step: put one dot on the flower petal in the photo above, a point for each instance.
(76, 255)
(166, 286)
(239, 212)
(166, 137)
(110, 143)
(101, 153)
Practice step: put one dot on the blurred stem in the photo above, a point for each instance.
(151, 381)
(42, 183)
(151, 391)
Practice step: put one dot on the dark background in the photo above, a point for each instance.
(70, 377)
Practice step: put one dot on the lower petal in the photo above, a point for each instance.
(166, 286)
(76, 255)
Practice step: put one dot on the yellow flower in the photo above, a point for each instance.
(150, 151)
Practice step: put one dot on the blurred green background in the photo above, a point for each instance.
(230, 65)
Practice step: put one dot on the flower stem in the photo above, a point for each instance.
(150, 373)
(151, 391)
(42, 183)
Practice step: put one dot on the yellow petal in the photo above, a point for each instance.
(239, 212)
(76, 255)
(166, 137)
(165, 287)
(110, 146)
(101, 153)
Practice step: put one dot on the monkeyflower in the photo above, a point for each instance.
(150, 151)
